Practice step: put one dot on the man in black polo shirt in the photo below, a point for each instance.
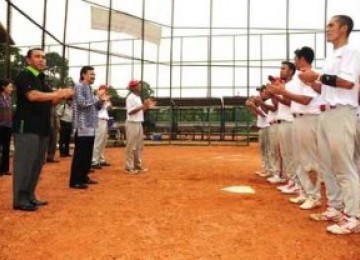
(32, 128)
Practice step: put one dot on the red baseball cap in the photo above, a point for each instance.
(101, 87)
(133, 83)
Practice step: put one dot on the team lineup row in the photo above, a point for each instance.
(309, 131)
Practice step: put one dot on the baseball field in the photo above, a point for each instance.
(177, 210)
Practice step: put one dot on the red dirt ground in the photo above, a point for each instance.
(176, 211)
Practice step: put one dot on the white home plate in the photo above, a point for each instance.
(239, 189)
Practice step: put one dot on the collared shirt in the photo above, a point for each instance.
(133, 101)
(30, 116)
(85, 107)
(5, 111)
(344, 63)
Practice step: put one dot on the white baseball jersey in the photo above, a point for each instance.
(345, 63)
(284, 112)
(298, 87)
(262, 121)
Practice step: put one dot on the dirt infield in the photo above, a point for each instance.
(176, 211)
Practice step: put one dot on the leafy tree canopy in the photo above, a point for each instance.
(17, 61)
(58, 70)
(146, 90)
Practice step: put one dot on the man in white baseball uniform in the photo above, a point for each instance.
(284, 120)
(270, 105)
(254, 105)
(305, 103)
(339, 86)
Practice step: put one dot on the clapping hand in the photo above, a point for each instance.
(277, 88)
(64, 93)
(308, 76)
(250, 102)
(67, 93)
(149, 103)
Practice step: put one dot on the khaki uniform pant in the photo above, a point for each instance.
(286, 149)
(336, 139)
(357, 146)
(134, 144)
(101, 137)
(264, 148)
(274, 151)
(307, 157)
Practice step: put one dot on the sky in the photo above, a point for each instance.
(229, 75)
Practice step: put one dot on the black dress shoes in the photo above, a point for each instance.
(105, 164)
(39, 202)
(52, 161)
(25, 207)
(96, 167)
(79, 186)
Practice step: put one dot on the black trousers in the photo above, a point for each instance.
(81, 162)
(65, 135)
(5, 137)
(30, 150)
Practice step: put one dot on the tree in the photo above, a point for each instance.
(17, 61)
(146, 90)
(114, 95)
(57, 74)
(58, 70)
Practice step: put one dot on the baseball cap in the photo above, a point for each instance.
(101, 87)
(133, 83)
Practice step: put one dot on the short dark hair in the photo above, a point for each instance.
(84, 70)
(306, 52)
(3, 84)
(345, 20)
(30, 52)
(290, 65)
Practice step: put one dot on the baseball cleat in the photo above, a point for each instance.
(310, 203)
(298, 200)
(346, 226)
(141, 169)
(330, 214)
(131, 171)
(276, 180)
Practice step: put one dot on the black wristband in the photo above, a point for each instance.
(329, 80)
